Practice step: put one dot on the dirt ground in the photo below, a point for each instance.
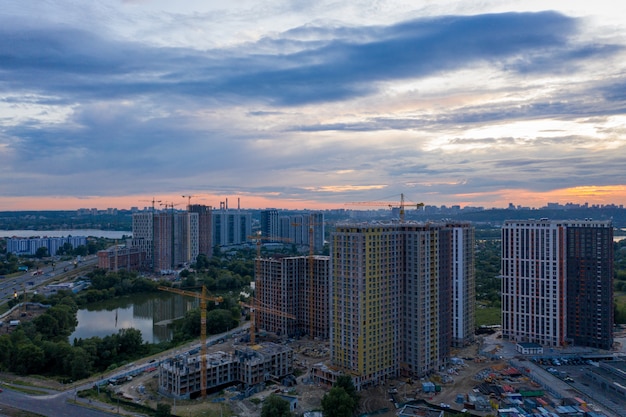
(22, 314)
(144, 388)
(462, 380)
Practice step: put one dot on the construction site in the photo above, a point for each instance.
(485, 378)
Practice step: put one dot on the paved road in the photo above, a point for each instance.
(28, 281)
(62, 404)
(51, 405)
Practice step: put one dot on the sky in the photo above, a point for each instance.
(310, 105)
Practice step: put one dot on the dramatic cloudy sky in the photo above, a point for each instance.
(307, 104)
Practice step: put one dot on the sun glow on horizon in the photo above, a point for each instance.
(592, 195)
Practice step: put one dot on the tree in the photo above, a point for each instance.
(274, 406)
(189, 281)
(47, 325)
(6, 347)
(129, 341)
(81, 250)
(41, 252)
(163, 410)
(345, 382)
(80, 364)
(219, 321)
(338, 403)
(29, 359)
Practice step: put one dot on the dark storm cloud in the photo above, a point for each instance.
(53, 60)
(122, 116)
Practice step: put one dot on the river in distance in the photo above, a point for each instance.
(108, 234)
(152, 314)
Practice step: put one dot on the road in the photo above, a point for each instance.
(52, 404)
(28, 281)
(67, 404)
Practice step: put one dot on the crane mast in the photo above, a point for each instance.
(203, 352)
(254, 308)
(390, 205)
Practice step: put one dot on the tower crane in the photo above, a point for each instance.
(203, 299)
(153, 201)
(260, 238)
(255, 307)
(389, 204)
(188, 197)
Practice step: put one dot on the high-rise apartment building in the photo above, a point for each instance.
(205, 221)
(270, 224)
(143, 235)
(463, 275)
(230, 226)
(299, 229)
(392, 297)
(557, 282)
(298, 286)
(170, 238)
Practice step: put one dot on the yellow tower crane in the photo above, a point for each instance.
(390, 205)
(257, 262)
(204, 297)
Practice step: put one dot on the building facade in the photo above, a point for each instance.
(297, 229)
(143, 235)
(557, 282)
(391, 297)
(297, 286)
(230, 227)
(121, 257)
(180, 377)
(29, 246)
(270, 224)
(169, 238)
(205, 227)
(462, 263)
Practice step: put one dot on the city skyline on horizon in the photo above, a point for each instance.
(233, 205)
(311, 106)
(233, 202)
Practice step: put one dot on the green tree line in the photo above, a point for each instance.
(41, 346)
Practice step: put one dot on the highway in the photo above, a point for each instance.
(48, 402)
(62, 271)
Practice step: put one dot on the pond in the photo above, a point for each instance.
(152, 314)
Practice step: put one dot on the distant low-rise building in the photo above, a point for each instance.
(122, 257)
(29, 246)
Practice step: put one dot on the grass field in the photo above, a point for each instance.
(620, 307)
(488, 315)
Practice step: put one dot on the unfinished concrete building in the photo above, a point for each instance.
(180, 376)
(298, 286)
